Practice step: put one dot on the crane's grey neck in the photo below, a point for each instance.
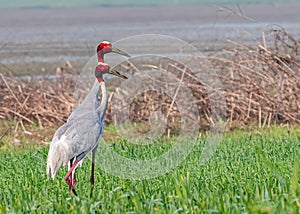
(91, 102)
(104, 100)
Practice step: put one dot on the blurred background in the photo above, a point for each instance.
(43, 40)
(37, 36)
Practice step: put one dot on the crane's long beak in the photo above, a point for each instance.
(118, 51)
(116, 73)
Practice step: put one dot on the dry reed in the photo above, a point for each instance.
(261, 86)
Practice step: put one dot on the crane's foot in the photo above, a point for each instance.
(91, 191)
(70, 178)
(71, 183)
(73, 192)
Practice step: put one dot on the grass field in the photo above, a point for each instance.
(250, 173)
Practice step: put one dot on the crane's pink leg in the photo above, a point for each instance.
(92, 180)
(73, 179)
(70, 177)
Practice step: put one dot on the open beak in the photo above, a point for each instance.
(118, 51)
(116, 73)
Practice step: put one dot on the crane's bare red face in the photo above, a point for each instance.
(106, 47)
(103, 68)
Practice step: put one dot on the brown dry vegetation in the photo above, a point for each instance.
(262, 83)
(261, 86)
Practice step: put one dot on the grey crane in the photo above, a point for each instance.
(80, 135)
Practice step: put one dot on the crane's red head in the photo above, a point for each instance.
(106, 47)
(103, 68)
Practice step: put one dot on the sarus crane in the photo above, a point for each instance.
(80, 135)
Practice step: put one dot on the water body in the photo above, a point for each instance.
(51, 36)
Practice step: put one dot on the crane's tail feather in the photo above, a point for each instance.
(57, 157)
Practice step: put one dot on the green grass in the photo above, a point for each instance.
(249, 173)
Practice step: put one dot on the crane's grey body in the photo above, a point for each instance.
(81, 133)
